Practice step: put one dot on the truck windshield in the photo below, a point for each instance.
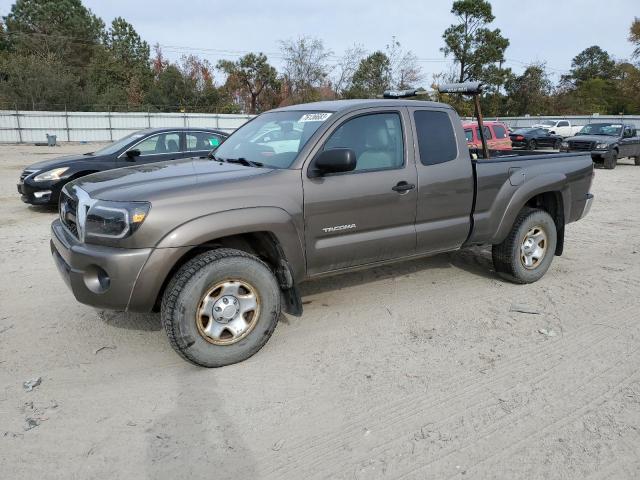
(272, 140)
(612, 129)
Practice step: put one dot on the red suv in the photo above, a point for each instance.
(495, 133)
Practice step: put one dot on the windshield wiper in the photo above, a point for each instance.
(241, 161)
(89, 154)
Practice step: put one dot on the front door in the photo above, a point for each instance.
(155, 148)
(367, 215)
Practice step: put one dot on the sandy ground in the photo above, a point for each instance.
(417, 370)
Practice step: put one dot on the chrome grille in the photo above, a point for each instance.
(581, 146)
(69, 212)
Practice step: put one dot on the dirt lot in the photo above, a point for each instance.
(419, 370)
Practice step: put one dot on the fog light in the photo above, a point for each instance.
(96, 279)
(42, 194)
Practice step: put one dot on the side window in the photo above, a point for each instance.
(500, 131)
(376, 140)
(487, 133)
(436, 139)
(201, 141)
(158, 144)
(469, 135)
(563, 124)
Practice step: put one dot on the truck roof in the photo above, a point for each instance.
(345, 105)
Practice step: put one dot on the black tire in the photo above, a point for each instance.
(636, 160)
(507, 255)
(182, 299)
(611, 161)
(532, 145)
(557, 144)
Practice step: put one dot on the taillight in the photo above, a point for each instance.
(519, 137)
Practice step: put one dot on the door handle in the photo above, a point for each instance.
(403, 187)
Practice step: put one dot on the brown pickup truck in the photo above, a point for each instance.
(219, 244)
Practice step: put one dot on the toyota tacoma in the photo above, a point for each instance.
(219, 245)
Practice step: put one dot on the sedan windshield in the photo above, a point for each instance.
(612, 129)
(117, 145)
(273, 139)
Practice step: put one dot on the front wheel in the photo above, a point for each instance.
(527, 252)
(611, 161)
(221, 307)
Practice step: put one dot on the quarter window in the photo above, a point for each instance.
(436, 139)
(376, 140)
(469, 135)
(201, 141)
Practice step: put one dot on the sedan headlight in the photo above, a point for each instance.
(602, 146)
(49, 175)
(105, 220)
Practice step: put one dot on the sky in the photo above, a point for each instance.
(550, 31)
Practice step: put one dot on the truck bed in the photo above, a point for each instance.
(505, 183)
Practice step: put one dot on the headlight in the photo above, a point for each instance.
(54, 174)
(111, 220)
(564, 145)
(602, 146)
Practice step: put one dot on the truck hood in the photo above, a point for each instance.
(62, 162)
(155, 180)
(593, 138)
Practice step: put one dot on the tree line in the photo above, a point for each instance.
(57, 54)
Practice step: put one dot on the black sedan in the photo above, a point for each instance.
(532, 138)
(40, 183)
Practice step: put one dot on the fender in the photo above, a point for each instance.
(173, 246)
(245, 220)
(548, 182)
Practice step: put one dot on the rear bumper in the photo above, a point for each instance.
(99, 276)
(587, 206)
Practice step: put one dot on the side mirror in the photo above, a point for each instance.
(132, 154)
(336, 160)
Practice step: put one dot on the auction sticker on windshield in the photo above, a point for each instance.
(314, 117)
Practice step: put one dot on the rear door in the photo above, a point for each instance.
(200, 143)
(367, 215)
(445, 181)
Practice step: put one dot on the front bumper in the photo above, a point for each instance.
(100, 276)
(45, 193)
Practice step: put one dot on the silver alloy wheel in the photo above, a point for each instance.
(228, 312)
(533, 248)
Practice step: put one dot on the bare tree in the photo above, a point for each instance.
(305, 67)
(347, 67)
(405, 71)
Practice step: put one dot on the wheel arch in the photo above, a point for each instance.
(273, 239)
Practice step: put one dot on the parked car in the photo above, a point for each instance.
(496, 134)
(220, 247)
(564, 128)
(40, 183)
(532, 138)
(607, 142)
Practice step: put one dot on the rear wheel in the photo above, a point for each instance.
(532, 145)
(221, 307)
(557, 144)
(527, 252)
(611, 161)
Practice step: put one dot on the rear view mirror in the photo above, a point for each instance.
(132, 154)
(336, 160)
